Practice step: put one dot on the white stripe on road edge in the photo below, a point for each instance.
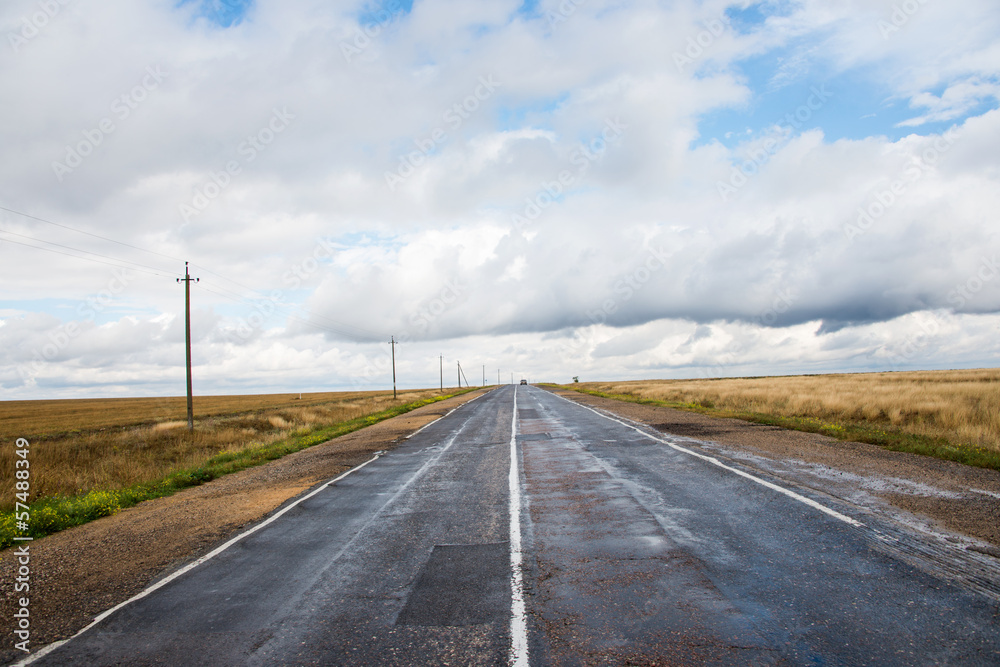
(190, 566)
(780, 489)
(518, 620)
(445, 415)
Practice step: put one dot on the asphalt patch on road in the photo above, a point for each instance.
(704, 431)
(461, 584)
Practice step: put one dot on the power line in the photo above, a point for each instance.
(346, 329)
(88, 252)
(233, 296)
(340, 328)
(80, 231)
(59, 252)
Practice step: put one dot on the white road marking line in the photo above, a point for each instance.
(518, 617)
(714, 461)
(190, 566)
(445, 415)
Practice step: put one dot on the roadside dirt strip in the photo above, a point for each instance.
(81, 572)
(956, 503)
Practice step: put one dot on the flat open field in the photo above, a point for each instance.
(961, 407)
(79, 446)
(23, 419)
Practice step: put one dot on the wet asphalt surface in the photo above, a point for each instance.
(634, 553)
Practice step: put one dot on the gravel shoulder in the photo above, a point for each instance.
(955, 502)
(79, 573)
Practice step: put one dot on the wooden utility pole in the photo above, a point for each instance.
(392, 341)
(459, 364)
(484, 375)
(187, 341)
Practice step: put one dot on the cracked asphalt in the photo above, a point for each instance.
(635, 553)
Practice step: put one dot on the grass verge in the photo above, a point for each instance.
(887, 437)
(52, 514)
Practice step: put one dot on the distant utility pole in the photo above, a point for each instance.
(459, 364)
(484, 375)
(498, 377)
(187, 341)
(392, 341)
(441, 363)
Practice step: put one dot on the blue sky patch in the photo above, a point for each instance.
(98, 308)
(528, 8)
(535, 114)
(746, 20)
(854, 104)
(383, 12)
(223, 13)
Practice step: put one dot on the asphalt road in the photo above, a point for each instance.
(634, 551)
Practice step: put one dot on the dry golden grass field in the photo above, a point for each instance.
(961, 407)
(79, 446)
(33, 418)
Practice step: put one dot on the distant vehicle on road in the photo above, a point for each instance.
(524, 382)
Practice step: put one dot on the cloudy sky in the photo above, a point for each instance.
(552, 188)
